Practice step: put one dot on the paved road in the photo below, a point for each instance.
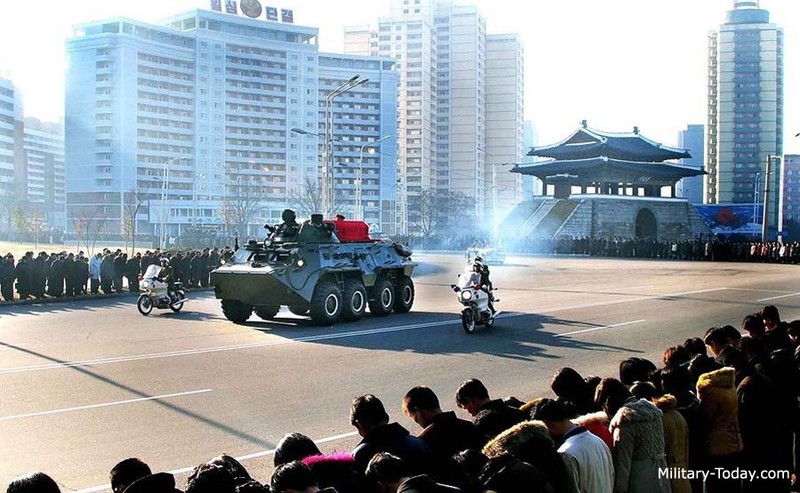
(83, 386)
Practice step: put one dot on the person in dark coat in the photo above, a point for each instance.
(443, 432)
(82, 268)
(7, 277)
(205, 262)
(369, 417)
(55, 279)
(70, 275)
(23, 274)
(196, 268)
(107, 272)
(775, 335)
(572, 389)
(39, 271)
(37, 482)
(492, 417)
(392, 475)
(700, 361)
(132, 269)
(120, 262)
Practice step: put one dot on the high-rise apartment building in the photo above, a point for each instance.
(10, 137)
(745, 107)
(692, 139)
(44, 169)
(189, 123)
(460, 102)
(790, 196)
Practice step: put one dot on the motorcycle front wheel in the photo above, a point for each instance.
(468, 321)
(145, 305)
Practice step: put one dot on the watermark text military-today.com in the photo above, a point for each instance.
(722, 473)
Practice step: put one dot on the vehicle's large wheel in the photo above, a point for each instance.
(236, 311)
(355, 300)
(403, 294)
(301, 310)
(176, 307)
(144, 304)
(381, 300)
(267, 312)
(468, 321)
(326, 304)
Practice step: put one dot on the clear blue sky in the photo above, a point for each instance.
(616, 63)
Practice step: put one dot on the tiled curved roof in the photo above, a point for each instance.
(588, 143)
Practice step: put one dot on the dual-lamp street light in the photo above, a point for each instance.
(328, 140)
(360, 214)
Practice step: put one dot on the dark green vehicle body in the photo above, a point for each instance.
(315, 274)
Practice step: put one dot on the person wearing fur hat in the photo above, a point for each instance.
(530, 442)
(638, 439)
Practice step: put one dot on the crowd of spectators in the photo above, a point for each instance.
(648, 429)
(57, 275)
(709, 249)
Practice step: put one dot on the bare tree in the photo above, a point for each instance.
(245, 195)
(133, 202)
(7, 201)
(307, 199)
(88, 224)
(443, 212)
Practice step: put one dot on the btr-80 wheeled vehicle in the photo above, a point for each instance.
(328, 270)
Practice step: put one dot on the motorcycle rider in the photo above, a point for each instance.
(167, 275)
(480, 268)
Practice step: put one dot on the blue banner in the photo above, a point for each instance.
(728, 219)
(287, 16)
(230, 7)
(216, 5)
(272, 13)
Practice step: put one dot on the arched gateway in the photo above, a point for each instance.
(646, 226)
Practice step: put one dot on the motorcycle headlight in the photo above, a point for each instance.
(466, 295)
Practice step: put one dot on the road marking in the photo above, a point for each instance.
(105, 404)
(325, 337)
(779, 297)
(598, 328)
(243, 458)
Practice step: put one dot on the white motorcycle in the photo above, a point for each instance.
(155, 293)
(476, 311)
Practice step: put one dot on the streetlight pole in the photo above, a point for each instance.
(765, 219)
(359, 174)
(163, 235)
(328, 142)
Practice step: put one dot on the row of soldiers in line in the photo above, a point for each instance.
(67, 274)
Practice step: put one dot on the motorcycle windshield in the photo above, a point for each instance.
(468, 279)
(152, 271)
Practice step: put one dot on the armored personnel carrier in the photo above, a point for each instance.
(328, 270)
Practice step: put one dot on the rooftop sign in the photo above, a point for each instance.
(254, 10)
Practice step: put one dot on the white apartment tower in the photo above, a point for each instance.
(189, 124)
(454, 129)
(745, 107)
